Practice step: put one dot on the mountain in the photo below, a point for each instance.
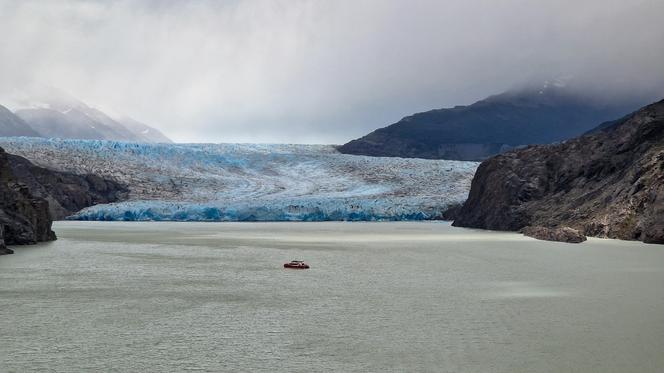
(52, 113)
(71, 124)
(534, 115)
(607, 183)
(24, 218)
(143, 131)
(12, 125)
(109, 128)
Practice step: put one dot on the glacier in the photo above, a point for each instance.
(254, 182)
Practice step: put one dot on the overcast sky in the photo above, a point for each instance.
(319, 71)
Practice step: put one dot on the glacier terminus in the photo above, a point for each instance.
(253, 182)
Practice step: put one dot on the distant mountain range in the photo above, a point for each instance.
(62, 116)
(535, 115)
(12, 125)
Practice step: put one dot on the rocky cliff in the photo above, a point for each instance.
(66, 193)
(607, 183)
(31, 197)
(24, 218)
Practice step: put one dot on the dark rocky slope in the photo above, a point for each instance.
(540, 115)
(24, 218)
(560, 234)
(31, 197)
(608, 183)
(66, 193)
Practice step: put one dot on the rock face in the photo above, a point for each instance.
(4, 250)
(31, 197)
(66, 193)
(538, 115)
(564, 234)
(608, 183)
(24, 218)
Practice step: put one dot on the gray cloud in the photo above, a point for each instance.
(320, 71)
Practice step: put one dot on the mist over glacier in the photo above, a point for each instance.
(254, 182)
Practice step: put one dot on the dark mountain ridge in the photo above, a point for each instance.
(536, 115)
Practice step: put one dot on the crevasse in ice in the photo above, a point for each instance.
(254, 182)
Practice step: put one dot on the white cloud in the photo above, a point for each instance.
(318, 71)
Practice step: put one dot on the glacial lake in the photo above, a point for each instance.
(379, 297)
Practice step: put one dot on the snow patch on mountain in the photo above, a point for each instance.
(254, 182)
(54, 113)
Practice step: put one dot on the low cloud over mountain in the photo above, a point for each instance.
(321, 71)
(52, 113)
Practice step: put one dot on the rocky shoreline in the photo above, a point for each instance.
(562, 234)
(608, 183)
(24, 218)
(31, 197)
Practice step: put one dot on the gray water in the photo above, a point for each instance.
(402, 297)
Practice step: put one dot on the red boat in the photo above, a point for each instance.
(296, 264)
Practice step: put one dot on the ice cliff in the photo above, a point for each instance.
(254, 182)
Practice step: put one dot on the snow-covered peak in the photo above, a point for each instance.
(51, 101)
(558, 83)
